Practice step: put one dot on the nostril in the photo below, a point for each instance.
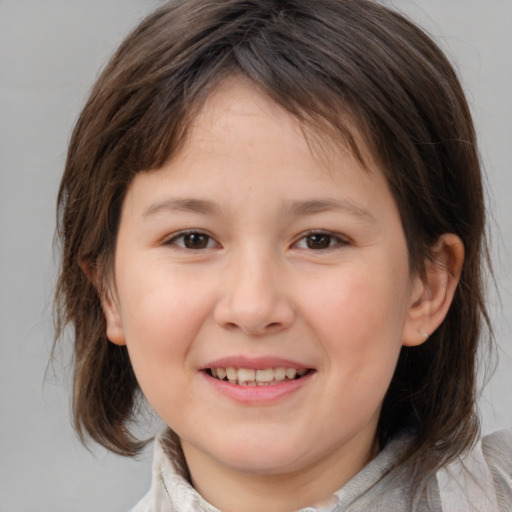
(273, 326)
(253, 315)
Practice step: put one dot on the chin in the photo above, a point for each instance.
(262, 458)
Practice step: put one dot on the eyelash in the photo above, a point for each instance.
(331, 237)
(209, 242)
(191, 233)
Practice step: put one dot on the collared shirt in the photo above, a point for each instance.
(480, 481)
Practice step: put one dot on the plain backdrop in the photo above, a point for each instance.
(50, 53)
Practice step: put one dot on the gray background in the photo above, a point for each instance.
(50, 52)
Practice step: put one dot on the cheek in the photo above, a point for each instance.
(359, 321)
(161, 315)
(359, 303)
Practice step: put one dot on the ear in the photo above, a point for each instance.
(433, 291)
(106, 294)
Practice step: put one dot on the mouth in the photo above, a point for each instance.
(260, 377)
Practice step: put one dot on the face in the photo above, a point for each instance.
(262, 291)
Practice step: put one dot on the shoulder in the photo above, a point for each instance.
(497, 449)
(145, 504)
(480, 479)
(497, 452)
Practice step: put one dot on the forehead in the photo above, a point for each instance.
(244, 149)
(232, 115)
(237, 108)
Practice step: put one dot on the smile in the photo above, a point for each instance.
(252, 377)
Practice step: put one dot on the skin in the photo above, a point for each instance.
(299, 256)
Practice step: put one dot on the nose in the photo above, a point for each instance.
(255, 299)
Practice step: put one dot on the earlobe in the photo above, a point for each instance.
(433, 291)
(114, 329)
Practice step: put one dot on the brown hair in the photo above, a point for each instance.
(324, 61)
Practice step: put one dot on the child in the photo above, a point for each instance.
(273, 229)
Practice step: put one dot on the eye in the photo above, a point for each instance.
(320, 240)
(194, 240)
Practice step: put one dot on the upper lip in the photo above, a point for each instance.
(254, 363)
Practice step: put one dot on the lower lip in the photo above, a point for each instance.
(254, 395)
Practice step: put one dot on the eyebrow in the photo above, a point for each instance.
(182, 205)
(298, 208)
(310, 207)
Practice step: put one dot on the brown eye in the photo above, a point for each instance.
(319, 241)
(194, 240)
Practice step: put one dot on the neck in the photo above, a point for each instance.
(233, 490)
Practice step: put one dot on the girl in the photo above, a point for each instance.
(273, 230)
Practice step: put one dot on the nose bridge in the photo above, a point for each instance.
(254, 278)
(254, 300)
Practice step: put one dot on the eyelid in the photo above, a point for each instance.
(340, 240)
(171, 239)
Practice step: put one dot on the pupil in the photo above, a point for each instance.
(196, 241)
(318, 241)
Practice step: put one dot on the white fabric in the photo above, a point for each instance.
(466, 485)
(479, 482)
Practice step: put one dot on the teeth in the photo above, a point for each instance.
(291, 372)
(265, 375)
(246, 375)
(280, 373)
(231, 374)
(250, 377)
